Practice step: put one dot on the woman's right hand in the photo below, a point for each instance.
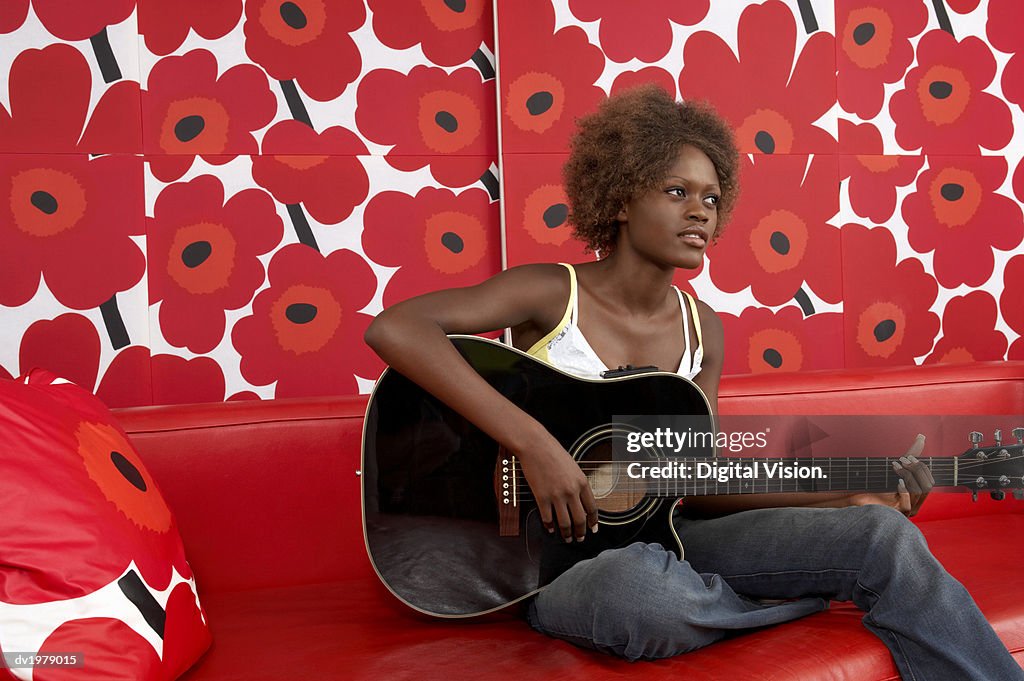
(560, 489)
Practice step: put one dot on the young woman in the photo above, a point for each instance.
(651, 183)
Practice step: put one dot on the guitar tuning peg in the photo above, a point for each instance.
(1018, 494)
(976, 438)
(1019, 434)
(999, 437)
(974, 495)
(997, 495)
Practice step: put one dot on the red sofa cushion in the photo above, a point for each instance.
(92, 564)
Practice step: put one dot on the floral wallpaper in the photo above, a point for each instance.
(204, 200)
(880, 214)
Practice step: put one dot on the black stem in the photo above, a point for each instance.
(115, 325)
(105, 56)
(301, 226)
(135, 591)
(484, 64)
(942, 16)
(490, 182)
(804, 300)
(295, 105)
(807, 14)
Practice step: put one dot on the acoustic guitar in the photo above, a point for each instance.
(449, 521)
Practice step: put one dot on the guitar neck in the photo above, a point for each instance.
(735, 475)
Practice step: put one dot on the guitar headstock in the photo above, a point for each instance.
(997, 468)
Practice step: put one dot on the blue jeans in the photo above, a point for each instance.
(640, 602)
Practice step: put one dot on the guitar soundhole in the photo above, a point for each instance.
(615, 491)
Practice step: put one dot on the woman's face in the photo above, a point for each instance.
(674, 222)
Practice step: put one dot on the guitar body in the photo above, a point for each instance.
(450, 526)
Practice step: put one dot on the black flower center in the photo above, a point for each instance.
(952, 191)
(189, 127)
(44, 201)
(539, 102)
(196, 253)
(940, 89)
(456, 5)
(446, 121)
(884, 330)
(556, 215)
(128, 470)
(765, 142)
(779, 243)
(453, 242)
(300, 313)
(863, 33)
(773, 357)
(293, 15)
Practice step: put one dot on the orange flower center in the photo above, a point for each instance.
(880, 328)
(867, 38)
(202, 257)
(545, 215)
(535, 101)
(115, 467)
(955, 196)
(46, 201)
(767, 131)
(305, 318)
(944, 93)
(453, 241)
(779, 241)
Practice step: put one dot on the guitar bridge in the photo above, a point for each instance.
(506, 493)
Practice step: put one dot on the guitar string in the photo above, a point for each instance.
(633, 485)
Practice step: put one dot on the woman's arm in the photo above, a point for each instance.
(411, 337)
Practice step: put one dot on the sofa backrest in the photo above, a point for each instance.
(266, 493)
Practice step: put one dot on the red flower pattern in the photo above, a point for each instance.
(448, 32)
(956, 213)
(204, 257)
(968, 331)
(1009, 303)
(69, 219)
(873, 49)
(13, 14)
(762, 341)
(886, 315)
(1018, 181)
(963, 6)
(650, 74)
(771, 111)
(438, 239)
(1005, 17)
(942, 108)
(431, 117)
(537, 212)
(307, 41)
(305, 331)
(166, 23)
(778, 238)
(50, 91)
(549, 80)
(131, 520)
(81, 20)
(318, 170)
(874, 177)
(187, 111)
(631, 31)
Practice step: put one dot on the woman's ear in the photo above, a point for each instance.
(623, 215)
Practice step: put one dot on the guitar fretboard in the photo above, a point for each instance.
(735, 475)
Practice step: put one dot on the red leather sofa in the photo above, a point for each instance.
(267, 498)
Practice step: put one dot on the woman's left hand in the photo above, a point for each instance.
(915, 483)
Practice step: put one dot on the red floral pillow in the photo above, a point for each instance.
(91, 562)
